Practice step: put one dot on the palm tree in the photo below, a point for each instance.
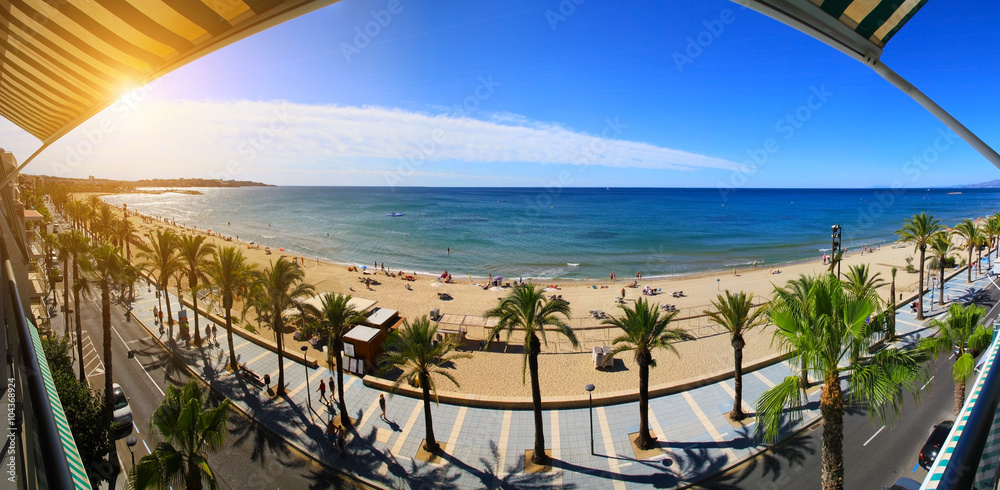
(526, 309)
(796, 292)
(643, 331)
(414, 349)
(64, 255)
(78, 247)
(282, 288)
(962, 332)
(335, 317)
(970, 232)
(992, 230)
(189, 428)
(232, 275)
(828, 330)
(195, 255)
(891, 330)
(127, 234)
(920, 229)
(859, 279)
(941, 248)
(735, 313)
(160, 257)
(106, 267)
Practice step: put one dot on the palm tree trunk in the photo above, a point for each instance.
(891, 332)
(644, 441)
(278, 340)
(108, 368)
(804, 381)
(968, 278)
(194, 306)
(430, 444)
(345, 420)
(941, 296)
(920, 286)
(66, 293)
(170, 316)
(738, 414)
(76, 315)
(538, 455)
(959, 397)
(229, 337)
(831, 406)
(192, 478)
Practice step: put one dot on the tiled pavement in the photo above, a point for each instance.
(486, 447)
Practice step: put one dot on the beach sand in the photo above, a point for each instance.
(564, 370)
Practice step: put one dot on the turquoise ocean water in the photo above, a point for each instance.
(559, 233)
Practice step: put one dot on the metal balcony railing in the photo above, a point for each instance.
(970, 457)
(38, 436)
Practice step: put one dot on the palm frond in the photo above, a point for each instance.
(772, 404)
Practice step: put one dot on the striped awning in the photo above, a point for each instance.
(62, 62)
(876, 20)
(860, 28)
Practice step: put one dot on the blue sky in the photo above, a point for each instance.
(593, 97)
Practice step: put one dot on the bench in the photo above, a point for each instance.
(247, 371)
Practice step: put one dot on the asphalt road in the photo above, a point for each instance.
(874, 456)
(252, 457)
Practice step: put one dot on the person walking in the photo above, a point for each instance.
(381, 404)
(156, 319)
(322, 390)
(333, 390)
(623, 293)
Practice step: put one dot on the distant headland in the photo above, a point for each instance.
(92, 184)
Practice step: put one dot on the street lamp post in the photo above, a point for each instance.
(305, 366)
(835, 247)
(131, 441)
(590, 396)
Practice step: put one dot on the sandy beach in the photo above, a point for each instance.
(565, 369)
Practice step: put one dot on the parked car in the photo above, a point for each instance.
(929, 452)
(904, 484)
(122, 411)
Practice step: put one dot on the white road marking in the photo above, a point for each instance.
(136, 359)
(927, 383)
(873, 436)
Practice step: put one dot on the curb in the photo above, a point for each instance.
(564, 402)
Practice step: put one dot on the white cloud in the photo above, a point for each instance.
(203, 139)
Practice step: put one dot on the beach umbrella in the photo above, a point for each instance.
(363, 267)
(550, 290)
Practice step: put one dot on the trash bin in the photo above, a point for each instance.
(267, 379)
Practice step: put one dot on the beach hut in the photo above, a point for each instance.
(362, 348)
(383, 319)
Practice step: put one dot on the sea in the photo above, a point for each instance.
(564, 233)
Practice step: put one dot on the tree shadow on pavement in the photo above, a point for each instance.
(776, 462)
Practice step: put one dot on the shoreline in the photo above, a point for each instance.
(496, 372)
(462, 275)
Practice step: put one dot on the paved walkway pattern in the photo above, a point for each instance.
(486, 447)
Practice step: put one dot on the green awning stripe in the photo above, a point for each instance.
(903, 22)
(836, 8)
(878, 16)
(76, 467)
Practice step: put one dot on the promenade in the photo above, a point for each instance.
(486, 447)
